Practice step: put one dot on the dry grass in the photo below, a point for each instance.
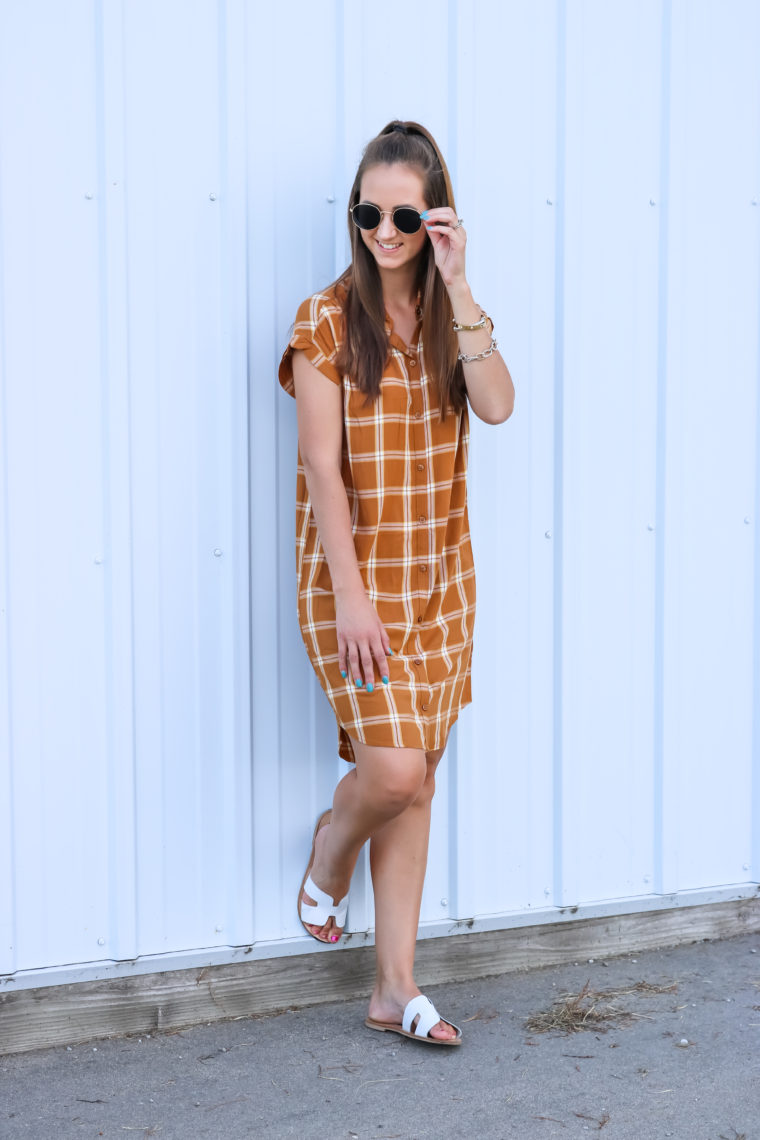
(591, 1009)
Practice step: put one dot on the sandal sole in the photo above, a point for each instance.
(389, 1027)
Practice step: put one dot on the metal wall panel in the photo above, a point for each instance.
(176, 185)
(56, 658)
(711, 449)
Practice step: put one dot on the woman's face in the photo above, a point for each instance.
(388, 186)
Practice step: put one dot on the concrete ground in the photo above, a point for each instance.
(685, 1065)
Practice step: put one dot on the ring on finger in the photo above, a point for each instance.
(460, 222)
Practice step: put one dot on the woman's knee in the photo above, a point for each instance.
(393, 777)
(402, 784)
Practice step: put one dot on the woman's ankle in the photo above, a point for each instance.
(395, 986)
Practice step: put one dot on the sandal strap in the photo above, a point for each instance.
(323, 907)
(429, 1015)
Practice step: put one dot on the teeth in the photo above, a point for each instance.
(384, 246)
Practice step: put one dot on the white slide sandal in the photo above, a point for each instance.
(429, 1016)
(317, 913)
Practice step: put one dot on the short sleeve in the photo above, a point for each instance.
(317, 332)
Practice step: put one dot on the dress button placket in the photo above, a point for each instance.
(420, 538)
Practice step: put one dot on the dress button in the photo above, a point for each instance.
(418, 661)
(421, 519)
(423, 569)
(418, 415)
(420, 466)
(412, 362)
(425, 708)
(419, 618)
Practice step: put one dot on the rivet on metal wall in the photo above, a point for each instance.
(98, 559)
(444, 902)
(217, 553)
(745, 866)
(652, 202)
(650, 526)
(330, 198)
(549, 202)
(746, 520)
(754, 201)
(101, 942)
(547, 534)
(212, 197)
(89, 195)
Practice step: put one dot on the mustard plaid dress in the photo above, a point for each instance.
(405, 476)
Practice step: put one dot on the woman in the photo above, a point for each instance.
(383, 365)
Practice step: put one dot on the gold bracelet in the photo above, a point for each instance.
(471, 328)
(468, 358)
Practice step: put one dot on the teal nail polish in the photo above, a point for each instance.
(359, 683)
(390, 652)
(424, 213)
(385, 680)
(343, 673)
(370, 688)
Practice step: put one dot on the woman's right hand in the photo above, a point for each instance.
(362, 640)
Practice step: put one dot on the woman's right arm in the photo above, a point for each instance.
(319, 408)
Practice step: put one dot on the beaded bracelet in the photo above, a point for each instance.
(470, 328)
(467, 358)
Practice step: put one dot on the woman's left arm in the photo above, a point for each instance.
(489, 385)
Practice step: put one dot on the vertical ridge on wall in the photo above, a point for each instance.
(267, 636)
(237, 656)
(8, 958)
(337, 191)
(564, 893)
(660, 527)
(754, 872)
(122, 792)
(459, 18)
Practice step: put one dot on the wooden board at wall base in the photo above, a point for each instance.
(146, 1003)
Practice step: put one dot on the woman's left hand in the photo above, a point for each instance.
(449, 239)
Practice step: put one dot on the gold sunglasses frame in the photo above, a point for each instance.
(382, 214)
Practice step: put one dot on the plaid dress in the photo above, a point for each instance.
(405, 477)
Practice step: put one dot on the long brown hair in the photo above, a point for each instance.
(365, 351)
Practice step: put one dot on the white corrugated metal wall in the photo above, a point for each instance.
(173, 181)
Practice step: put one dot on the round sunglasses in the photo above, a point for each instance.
(368, 217)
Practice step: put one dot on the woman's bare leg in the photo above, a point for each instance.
(383, 782)
(398, 858)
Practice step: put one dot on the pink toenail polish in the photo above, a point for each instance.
(335, 938)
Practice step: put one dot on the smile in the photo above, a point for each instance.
(388, 248)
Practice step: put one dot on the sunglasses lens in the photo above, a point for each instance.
(365, 216)
(406, 220)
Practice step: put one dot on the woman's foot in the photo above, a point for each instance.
(389, 1006)
(334, 885)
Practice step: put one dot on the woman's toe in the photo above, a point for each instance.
(443, 1030)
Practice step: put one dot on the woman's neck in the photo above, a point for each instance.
(399, 288)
